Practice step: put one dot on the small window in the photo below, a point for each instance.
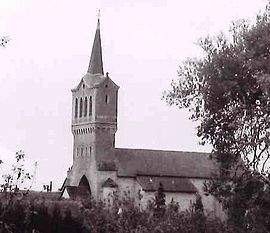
(76, 108)
(86, 151)
(85, 106)
(90, 106)
(106, 99)
(82, 151)
(90, 150)
(83, 86)
(77, 151)
(81, 107)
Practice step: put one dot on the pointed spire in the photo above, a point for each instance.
(96, 64)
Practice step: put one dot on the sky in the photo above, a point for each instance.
(143, 42)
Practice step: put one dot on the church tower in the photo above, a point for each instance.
(94, 122)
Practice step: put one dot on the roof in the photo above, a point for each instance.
(31, 194)
(133, 162)
(65, 183)
(170, 184)
(93, 80)
(109, 183)
(96, 63)
(72, 191)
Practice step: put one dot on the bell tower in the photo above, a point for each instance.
(94, 119)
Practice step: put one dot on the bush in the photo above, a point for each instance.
(121, 216)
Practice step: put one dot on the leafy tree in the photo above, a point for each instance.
(18, 175)
(3, 41)
(227, 92)
(160, 201)
(199, 217)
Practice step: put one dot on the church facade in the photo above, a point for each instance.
(99, 168)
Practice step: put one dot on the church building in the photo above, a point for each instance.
(100, 168)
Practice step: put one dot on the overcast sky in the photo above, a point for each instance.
(143, 43)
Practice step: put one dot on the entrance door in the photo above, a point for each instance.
(84, 190)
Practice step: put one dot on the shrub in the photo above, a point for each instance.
(122, 216)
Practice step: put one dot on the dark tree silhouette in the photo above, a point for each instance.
(3, 41)
(227, 92)
(160, 201)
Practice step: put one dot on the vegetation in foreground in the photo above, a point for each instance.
(40, 215)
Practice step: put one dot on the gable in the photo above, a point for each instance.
(133, 162)
(69, 192)
(109, 183)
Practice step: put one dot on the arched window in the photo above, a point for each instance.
(85, 106)
(76, 108)
(90, 106)
(81, 151)
(81, 106)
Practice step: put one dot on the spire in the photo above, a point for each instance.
(96, 64)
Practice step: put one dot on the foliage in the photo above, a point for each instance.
(199, 217)
(18, 175)
(26, 215)
(10, 194)
(227, 93)
(3, 41)
(160, 201)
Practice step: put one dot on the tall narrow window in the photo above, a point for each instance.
(82, 151)
(106, 99)
(90, 106)
(90, 150)
(85, 106)
(86, 151)
(76, 108)
(81, 106)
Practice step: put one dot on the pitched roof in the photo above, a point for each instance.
(76, 191)
(110, 183)
(170, 184)
(96, 63)
(132, 162)
(71, 190)
(93, 80)
(65, 183)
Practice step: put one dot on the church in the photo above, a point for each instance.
(100, 168)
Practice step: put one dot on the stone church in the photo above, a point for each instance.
(99, 168)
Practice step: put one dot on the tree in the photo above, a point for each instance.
(3, 41)
(227, 92)
(18, 175)
(160, 202)
(199, 217)
(11, 195)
